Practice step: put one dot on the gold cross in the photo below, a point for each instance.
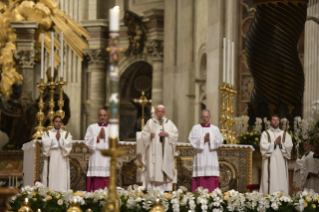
(143, 101)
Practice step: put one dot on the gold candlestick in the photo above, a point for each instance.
(61, 112)
(227, 115)
(222, 118)
(143, 101)
(112, 203)
(40, 115)
(51, 103)
(232, 134)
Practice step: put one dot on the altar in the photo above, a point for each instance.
(235, 165)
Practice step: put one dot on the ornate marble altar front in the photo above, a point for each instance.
(235, 165)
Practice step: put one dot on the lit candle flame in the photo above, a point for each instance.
(26, 200)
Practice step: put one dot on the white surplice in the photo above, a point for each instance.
(274, 175)
(205, 158)
(298, 167)
(158, 157)
(311, 164)
(56, 161)
(99, 165)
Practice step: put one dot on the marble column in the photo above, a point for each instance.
(154, 48)
(25, 53)
(97, 68)
(311, 62)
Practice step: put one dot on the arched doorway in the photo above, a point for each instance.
(134, 80)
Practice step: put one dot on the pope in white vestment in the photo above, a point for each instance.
(275, 148)
(300, 165)
(206, 139)
(56, 147)
(96, 138)
(160, 138)
(310, 171)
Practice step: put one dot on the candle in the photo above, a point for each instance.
(42, 55)
(228, 62)
(233, 62)
(114, 19)
(61, 65)
(52, 55)
(224, 60)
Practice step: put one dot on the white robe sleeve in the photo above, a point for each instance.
(46, 143)
(216, 139)
(90, 139)
(196, 139)
(146, 133)
(265, 146)
(66, 144)
(287, 146)
(172, 134)
(304, 171)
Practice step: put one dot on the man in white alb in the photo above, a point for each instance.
(275, 148)
(307, 146)
(310, 171)
(96, 138)
(56, 147)
(206, 139)
(160, 138)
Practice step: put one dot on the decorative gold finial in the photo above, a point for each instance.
(75, 206)
(25, 207)
(143, 101)
(157, 206)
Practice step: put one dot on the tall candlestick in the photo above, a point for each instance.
(228, 62)
(114, 19)
(52, 55)
(42, 55)
(233, 63)
(61, 53)
(224, 60)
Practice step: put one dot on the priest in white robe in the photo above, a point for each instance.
(310, 171)
(206, 139)
(275, 148)
(160, 138)
(307, 146)
(96, 138)
(56, 147)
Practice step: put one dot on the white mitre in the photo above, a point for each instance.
(160, 106)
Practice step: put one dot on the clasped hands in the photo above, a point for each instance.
(312, 174)
(278, 140)
(58, 135)
(206, 138)
(102, 133)
(161, 134)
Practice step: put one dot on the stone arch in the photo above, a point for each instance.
(136, 77)
(200, 82)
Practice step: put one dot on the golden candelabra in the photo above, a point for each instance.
(51, 114)
(226, 119)
(60, 112)
(112, 203)
(40, 115)
(143, 101)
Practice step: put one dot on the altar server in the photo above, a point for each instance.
(160, 138)
(307, 146)
(56, 147)
(206, 139)
(275, 148)
(96, 138)
(310, 172)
